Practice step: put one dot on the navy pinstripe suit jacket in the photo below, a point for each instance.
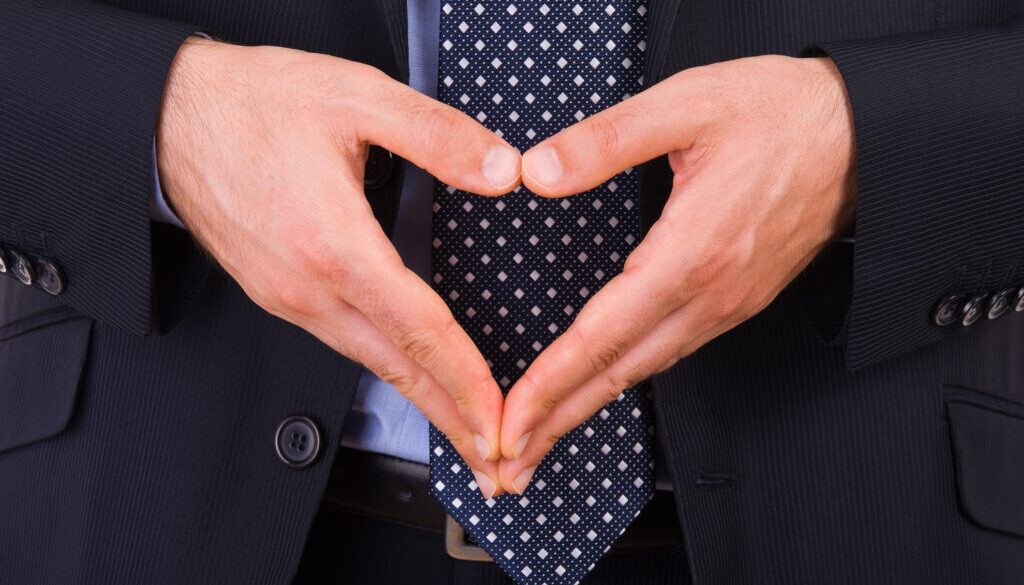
(850, 438)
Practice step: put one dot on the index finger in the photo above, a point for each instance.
(614, 320)
(419, 322)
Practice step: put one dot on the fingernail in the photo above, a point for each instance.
(542, 165)
(485, 484)
(501, 166)
(517, 449)
(522, 480)
(482, 447)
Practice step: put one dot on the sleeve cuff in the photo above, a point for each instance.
(159, 209)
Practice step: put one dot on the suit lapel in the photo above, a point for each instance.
(397, 20)
(659, 29)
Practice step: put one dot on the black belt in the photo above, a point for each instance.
(396, 490)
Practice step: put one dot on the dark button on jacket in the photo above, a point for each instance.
(297, 441)
(974, 309)
(1000, 303)
(21, 267)
(948, 310)
(49, 277)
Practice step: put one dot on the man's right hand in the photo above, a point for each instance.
(261, 152)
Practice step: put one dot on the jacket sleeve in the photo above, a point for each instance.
(80, 92)
(939, 122)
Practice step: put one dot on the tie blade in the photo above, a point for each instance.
(516, 269)
(583, 496)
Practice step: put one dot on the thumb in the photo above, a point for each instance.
(588, 153)
(442, 140)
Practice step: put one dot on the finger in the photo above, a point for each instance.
(447, 143)
(658, 277)
(679, 334)
(341, 324)
(372, 278)
(635, 130)
(616, 318)
(423, 327)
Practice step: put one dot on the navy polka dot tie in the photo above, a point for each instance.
(516, 269)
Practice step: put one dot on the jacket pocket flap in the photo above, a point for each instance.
(41, 360)
(989, 449)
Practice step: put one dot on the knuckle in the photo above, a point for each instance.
(283, 295)
(616, 384)
(438, 127)
(317, 255)
(601, 354)
(637, 259)
(532, 397)
(528, 387)
(413, 387)
(711, 270)
(545, 402)
(728, 303)
(605, 134)
(421, 346)
(464, 401)
(633, 376)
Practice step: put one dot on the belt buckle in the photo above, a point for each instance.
(457, 545)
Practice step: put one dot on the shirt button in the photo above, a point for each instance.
(21, 268)
(1000, 303)
(379, 164)
(973, 309)
(948, 310)
(297, 441)
(49, 277)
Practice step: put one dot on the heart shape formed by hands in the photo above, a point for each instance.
(762, 151)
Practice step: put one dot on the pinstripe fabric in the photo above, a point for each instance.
(788, 467)
(927, 174)
(85, 143)
(813, 474)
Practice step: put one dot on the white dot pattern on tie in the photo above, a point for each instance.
(515, 270)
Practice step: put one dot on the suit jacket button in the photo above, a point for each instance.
(948, 310)
(297, 441)
(1018, 304)
(379, 164)
(1000, 303)
(3, 261)
(49, 277)
(21, 267)
(973, 309)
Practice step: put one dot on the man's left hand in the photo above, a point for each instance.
(762, 151)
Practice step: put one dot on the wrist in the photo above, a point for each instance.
(180, 97)
(828, 85)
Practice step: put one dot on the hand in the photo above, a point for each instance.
(261, 151)
(762, 152)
